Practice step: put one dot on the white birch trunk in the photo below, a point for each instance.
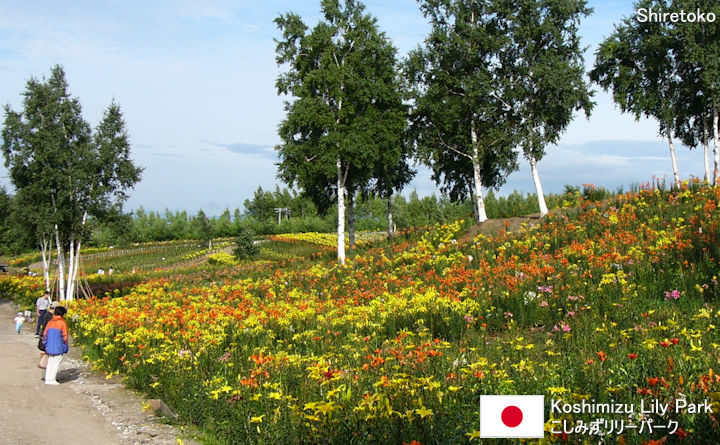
(390, 216)
(716, 144)
(341, 212)
(673, 158)
(46, 253)
(340, 185)
(61, 266)
(73, 266)
(482, 215)
(76, 260)
(76, 269)
(473, 201)
(351, 220)
(538, 186)
(706, 150)
(70, 289)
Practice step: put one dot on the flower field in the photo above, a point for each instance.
(611, 301)
(150, 256)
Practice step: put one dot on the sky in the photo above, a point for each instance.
(196, 84)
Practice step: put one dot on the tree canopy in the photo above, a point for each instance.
(666, 70)
(346, 108)
(460, 122)
(62, 171)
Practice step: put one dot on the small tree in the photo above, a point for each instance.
(203, 229)
(245, 246)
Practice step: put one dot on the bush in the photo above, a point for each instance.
(245, 246)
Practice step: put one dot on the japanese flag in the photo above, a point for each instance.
(512, 416)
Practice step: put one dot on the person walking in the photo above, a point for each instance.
(55, 338)
(44, 320)
(41, 306)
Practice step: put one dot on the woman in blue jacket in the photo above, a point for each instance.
(55, 338)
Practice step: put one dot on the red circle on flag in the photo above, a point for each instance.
(512, 416)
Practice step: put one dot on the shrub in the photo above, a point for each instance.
(245, 246)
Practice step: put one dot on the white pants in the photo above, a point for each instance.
(52, 368)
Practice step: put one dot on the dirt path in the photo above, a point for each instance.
(84, 409)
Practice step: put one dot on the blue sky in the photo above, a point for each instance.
(196, 83)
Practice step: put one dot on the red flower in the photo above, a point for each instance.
(632, 356)
(602, 356)
(681, 433)
(674, 340)
(330, 373)
(664, 344)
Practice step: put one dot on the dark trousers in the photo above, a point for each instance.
(39, 322)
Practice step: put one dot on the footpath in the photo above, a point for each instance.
(85, 409)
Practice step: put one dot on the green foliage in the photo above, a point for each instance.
(62, 171)
(201, 227)
(460, 122)
(665, 70)
(545, 60)
(245, 247)
(345, 122)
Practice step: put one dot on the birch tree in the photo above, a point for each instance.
(65, 171)
(547, 74)
(639, 64)
(694, 116)
(341, 78)
(461, 122)
(697, 48)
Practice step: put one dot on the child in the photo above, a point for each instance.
(19, 320)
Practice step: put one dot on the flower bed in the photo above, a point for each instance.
(613, 301)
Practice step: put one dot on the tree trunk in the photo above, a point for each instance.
(477, 179)
(706, 149)
(716, 143)
(473, 202)
(673, 158)
(74, 262)
(76, 269)
(538, 186)
(45, 249)
(390, 216)
(351, 219)
(61, 266)
(341, 212)
(70, 289)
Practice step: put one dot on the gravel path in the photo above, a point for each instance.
(85, 409)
